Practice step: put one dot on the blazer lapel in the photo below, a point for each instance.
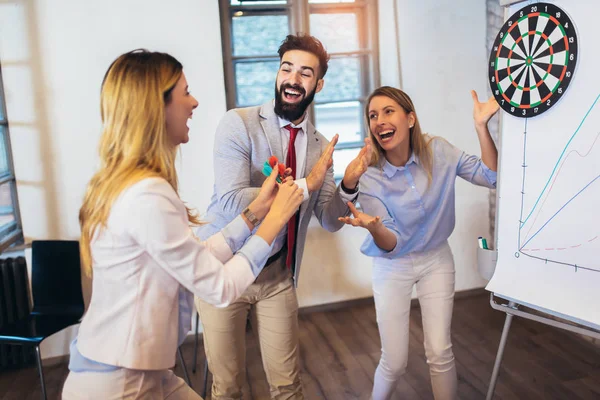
(313, 153)
(313, 150)
(270, 125)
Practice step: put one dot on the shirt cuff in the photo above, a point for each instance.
(349, 196)
(236, 233)
(256, 251)
(302, 184)
(490, 176)
(370, 248)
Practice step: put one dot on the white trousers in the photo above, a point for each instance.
(127, 384)
(433, 273)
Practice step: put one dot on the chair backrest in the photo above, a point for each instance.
(56, 277)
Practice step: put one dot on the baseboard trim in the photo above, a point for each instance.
(364, 301)
(470, 293)
(370, 301)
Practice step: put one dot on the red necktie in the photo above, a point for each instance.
(291, 163)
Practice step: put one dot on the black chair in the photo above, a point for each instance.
(204, 388)
(57, 297)
(186, 377)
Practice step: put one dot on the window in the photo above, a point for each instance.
(252, 31)
(10, 219)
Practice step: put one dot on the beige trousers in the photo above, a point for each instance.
(273, 306)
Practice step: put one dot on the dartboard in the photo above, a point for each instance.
(533, 60)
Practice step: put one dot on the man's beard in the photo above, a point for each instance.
(292, 112)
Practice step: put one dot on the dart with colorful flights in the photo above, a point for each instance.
(270, 164)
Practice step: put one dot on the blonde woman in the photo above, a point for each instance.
(137, 242)
(407, 196)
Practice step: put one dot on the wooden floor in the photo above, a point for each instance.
(340, 350)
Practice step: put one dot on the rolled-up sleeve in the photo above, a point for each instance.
(374, 207)
(472, 169)
(235, 233)
(256, 251)
(469, 167)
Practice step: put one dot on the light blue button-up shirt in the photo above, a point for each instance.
(421, 215)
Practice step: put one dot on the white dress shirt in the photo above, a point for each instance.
(301, 146)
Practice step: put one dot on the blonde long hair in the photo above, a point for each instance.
(134, 143)
(419, 142)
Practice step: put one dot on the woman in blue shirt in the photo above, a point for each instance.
(407, 197)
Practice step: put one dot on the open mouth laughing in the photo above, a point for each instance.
(292, 95)
(386, 135)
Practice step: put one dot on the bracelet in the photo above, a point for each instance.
(348, 191)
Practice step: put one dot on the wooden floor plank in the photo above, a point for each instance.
(340, 350)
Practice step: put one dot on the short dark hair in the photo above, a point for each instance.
(309, 44)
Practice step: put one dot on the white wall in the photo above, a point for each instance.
(442, 57)
(55, 53)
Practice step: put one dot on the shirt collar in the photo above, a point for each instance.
(302, 125)
(390, 170)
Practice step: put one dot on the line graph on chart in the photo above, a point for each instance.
(560, 194)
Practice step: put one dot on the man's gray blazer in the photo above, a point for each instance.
(245, 139)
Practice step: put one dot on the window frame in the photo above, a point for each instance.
(11, 234)
(299, 12)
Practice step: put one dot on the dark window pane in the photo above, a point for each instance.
(343, 118)
(7, 210)
(4, 168)
(255, 82)
(258, 34)
(342, 81)
(341, 159)
(338, 32)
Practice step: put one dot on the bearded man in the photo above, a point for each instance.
(245, 139)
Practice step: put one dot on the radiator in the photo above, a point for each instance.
(14, 304)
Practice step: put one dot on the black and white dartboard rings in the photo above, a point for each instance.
(533, 60)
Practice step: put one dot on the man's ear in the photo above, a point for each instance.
(320, 84)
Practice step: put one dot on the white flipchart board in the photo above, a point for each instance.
(549, 191)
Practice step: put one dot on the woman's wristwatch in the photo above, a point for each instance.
(250, 217)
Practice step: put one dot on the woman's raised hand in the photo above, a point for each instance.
(361, 219)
